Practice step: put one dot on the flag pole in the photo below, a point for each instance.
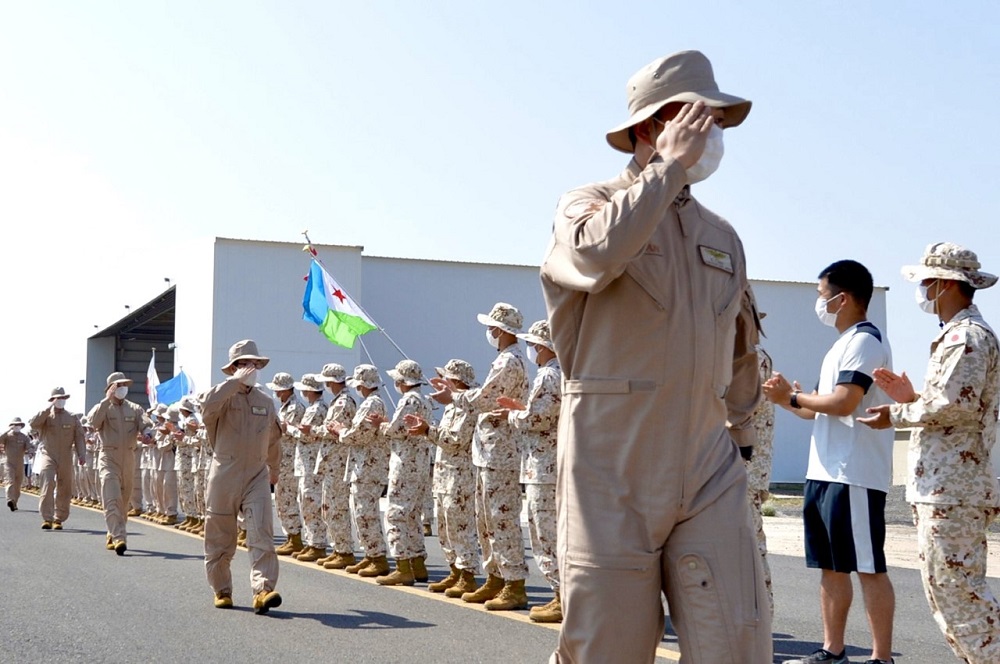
(312, 251)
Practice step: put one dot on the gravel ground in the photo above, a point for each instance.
(897, 510)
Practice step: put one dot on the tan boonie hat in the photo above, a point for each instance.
(16, 422)
(309, 384)
(58, 393)
(173, 414)
(459, 370)
(365, 375)
(538, 333)
(118, 377)
(333, 373)
(407, 372)
(281, 381)
(944, 260)
(244, 350)
(503, 315)
(685, 76)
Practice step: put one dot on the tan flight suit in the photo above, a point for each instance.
(59, 432)
(15, 443)
(243, 432)
(118, 425)
(654, 324)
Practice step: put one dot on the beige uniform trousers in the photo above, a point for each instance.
(15, 476)
(56, 489)
(254, 501)
(117, 476)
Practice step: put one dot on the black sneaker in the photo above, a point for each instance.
(821, 656)
(881, 661)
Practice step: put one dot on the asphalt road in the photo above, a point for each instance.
(67, 599)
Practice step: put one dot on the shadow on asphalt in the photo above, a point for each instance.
(163, 554)
(785, 646)
(362, 620)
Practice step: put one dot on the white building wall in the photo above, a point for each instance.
(194, 312)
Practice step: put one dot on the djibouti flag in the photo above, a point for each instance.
(327, 305)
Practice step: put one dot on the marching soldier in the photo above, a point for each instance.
(59, 434)
(308, 434)
(332, 467)
(15, 443)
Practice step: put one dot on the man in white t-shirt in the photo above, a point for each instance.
(850, 466)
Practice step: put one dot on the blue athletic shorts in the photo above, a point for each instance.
(844, 527)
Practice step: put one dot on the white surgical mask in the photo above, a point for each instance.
(493, 341)
(709, 161)
(399, 390)
(825, 317)
(250, 379)
(121, 392)
(532, 354)
(59, 403)
(18, 427)
(928, 306)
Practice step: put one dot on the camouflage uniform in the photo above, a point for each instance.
(495, 454)
(759, 470)
(951, 482)
(536, 427)
(310, 484)
(408, 479)
(332, 466)
(367, 467)
(185, 464)
(454, 488)
(286, 490)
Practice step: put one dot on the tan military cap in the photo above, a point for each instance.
(118, 378)
(407, 372)
(538, 333)
(244, 350)
(503, 315)
(459, 370)
(685, 76)
(944, 260)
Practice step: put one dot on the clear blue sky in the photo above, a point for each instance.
(449, 130)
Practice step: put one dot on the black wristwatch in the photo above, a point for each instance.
(794, 400)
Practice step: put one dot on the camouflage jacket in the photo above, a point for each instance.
(538, 425)
(494, 445)
(955, 417)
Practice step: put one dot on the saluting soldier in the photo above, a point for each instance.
(286, 494)
(15, 443)
(60, 434)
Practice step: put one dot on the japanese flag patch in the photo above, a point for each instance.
(954, 338)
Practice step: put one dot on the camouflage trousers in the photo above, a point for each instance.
(365, 495)
(337, 512)
(756, 499)
(286, 498)
(498, 522)
(185, 491)
(456, 515)
(427, 511)
(403, 529)
(311, 509)
(540, 500)
(200, 482)
(952, 544)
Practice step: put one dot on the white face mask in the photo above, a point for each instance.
(710, 158)
(928, 306)
(121, 392)
(399, 390)
(18, 427)
(532, 354)
(59, 403)
(493, 341)
(825, 317)
(250, 379)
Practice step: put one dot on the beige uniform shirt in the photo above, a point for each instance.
(59, 431)
(118, 426)
(655, 325)
(14, 444)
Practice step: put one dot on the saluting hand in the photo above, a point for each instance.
(683, 138)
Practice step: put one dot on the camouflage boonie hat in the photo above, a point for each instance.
(188, 404)
(365, 375)
(58, 393)
(459, 370)
(118, 377)
(161, 409)
(333, 373)
(503, 315)
(407, 372)
(173, 413)
(944, 260)
(309, 383)
(538, 333)
(244, 350)
(281, 381)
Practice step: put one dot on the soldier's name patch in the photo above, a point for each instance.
(130, 418)
(716, 258)
(956, 338)
(67, 426)
(653, 249)
(258, 410)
